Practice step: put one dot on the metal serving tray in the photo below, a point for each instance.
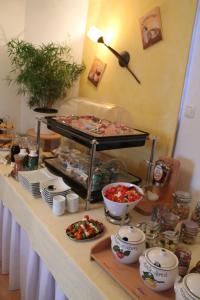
(103, 142)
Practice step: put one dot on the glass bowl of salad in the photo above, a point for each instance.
(119, 196)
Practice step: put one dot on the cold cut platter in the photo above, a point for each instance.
(109, 135)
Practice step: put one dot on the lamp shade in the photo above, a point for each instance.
(94, 34)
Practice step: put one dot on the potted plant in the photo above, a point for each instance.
(44, 73)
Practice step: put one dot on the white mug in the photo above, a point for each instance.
(72, 202)
(58, 205)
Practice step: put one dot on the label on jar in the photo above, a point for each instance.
(160, 173)
(33, 162)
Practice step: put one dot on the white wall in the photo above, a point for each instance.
(188, 142)
(54, 21)
(12, 15)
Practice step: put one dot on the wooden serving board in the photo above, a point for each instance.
(165, 193)
(127, 276)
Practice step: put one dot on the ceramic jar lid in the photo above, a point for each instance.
(192, 284)
(131, 234)
(162, 258)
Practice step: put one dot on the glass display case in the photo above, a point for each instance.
(96, 134)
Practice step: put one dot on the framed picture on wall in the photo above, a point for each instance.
(150, 26)
(96, 71)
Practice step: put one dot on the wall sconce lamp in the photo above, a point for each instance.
(96, 36)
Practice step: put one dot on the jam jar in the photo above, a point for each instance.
(196, 214)
(181, 204)
(189, 232)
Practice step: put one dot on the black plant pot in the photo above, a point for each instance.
(45, 110)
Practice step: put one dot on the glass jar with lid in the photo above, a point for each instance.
(169, 221)
(182, 204)
(196, 213)
(189, 232)
(152, 232)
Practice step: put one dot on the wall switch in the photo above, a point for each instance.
(189, 111)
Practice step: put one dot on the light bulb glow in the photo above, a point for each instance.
(94, 34)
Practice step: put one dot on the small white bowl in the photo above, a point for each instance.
(116, 209)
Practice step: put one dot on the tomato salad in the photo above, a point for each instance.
(122, 194)
(85, 229)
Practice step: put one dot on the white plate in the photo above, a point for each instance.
(59, 186)
(37, 176)
(86, 239)
(31, 180)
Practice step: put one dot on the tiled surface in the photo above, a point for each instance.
(4, 293)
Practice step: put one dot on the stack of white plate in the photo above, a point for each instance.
(31, 180)
(52, 188)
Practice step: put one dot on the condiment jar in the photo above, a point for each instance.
(33, 160)
(128, 244)
(158, 268)
(152, 232)
(182, 203)
(24, 154)
(169, 221)
(188, 288)
(196, 213)
(189, 232)
(15, 148)
(184, 257)
(18, 166)
(169, 240)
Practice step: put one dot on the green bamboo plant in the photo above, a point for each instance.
(43, 73)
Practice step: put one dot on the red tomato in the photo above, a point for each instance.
(78, 236)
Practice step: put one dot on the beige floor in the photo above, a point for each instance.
(4, 293)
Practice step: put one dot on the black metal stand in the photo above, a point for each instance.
(90, 174)
(150, 162)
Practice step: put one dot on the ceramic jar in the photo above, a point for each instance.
(128, 244)
(158, 268)
(188, 288)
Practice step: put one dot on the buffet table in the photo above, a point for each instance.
(67, 261)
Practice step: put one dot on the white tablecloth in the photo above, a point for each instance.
(26, 270)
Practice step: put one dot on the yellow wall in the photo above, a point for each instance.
(153, 105)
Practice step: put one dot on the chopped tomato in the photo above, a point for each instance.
(122, 194)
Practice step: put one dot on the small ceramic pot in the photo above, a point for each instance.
(128, 244)
(158, 268)
(188, 288)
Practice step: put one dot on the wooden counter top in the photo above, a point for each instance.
(68, 261)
